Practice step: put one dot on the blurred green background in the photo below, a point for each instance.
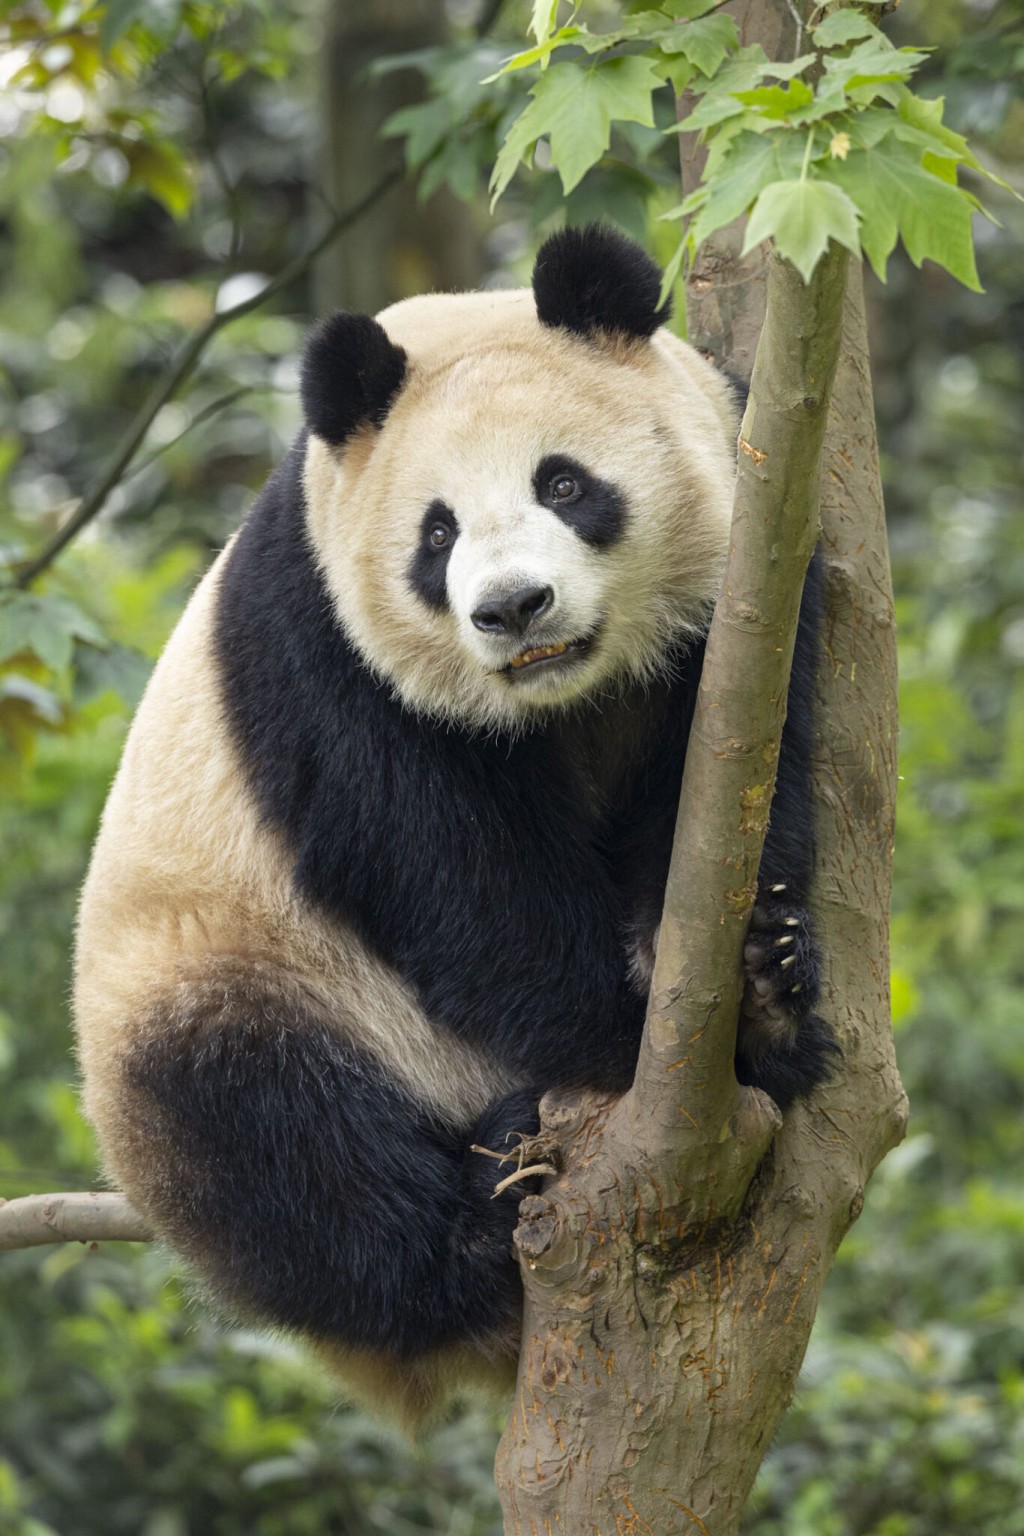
(162, 161)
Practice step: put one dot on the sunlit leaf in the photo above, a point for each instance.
(801, 217)
(898, 197)
(542, 21)
(574, 106)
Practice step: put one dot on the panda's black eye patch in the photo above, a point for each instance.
(594, 508)
(429, 565)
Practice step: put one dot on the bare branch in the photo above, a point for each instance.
(684, 1077)
(182, 368)
(82, 1217)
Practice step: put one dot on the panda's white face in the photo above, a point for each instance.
(538, 519)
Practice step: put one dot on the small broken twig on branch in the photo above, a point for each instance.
(80, 1217)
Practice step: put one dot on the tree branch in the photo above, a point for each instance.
(82, 1217)
(182, 368)
(684, 1080)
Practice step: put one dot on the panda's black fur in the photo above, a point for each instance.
(489, 870)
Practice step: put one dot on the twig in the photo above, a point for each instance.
(214, 408)
(184, 365)
(82, 1217)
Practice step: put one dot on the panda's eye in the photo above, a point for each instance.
(564, 488)
(439, 536)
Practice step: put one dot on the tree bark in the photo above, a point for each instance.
(81, 1217)
(409, 246)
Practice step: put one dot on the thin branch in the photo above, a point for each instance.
(182, 368)
(82, 1217)
(215, 407)
(229, 189)
(733, 746)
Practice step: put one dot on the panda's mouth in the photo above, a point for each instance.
(549, 658)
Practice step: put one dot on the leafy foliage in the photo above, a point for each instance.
(866, 162)
(125, 1408)
(106, 276)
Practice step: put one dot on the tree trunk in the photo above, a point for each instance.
(404, 246)
(726, 293)
(673, 1271)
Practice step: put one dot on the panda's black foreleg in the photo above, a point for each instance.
(309, 1190)
(783, 1046)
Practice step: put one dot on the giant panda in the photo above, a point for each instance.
(385, 856)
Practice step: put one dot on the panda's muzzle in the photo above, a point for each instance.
(511, 613)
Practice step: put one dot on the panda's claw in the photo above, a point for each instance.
(783, 1046)
(533, 1170)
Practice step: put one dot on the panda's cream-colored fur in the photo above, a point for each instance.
(190, 892)
(650, 415)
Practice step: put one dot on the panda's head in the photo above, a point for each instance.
(519, 499)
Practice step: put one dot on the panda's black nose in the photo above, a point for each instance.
(512, 613)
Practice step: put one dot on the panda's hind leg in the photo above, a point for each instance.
(303, 1183)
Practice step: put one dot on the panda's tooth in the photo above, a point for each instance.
(540, 653)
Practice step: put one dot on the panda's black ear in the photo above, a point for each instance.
(594, 279)
(351, 372)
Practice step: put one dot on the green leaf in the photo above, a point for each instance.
(778, 101)
(802, 217)
(752, 161)
(677, 71)
(424, 127)
(544, 50)
(686, 8)
(898, 196)
(574, 106)
(45, 625)
(705, 43)
(542, 22)
(162, 170)
(671, 273)
(744, 71)
(118, 16)
(115, 670)
(926, 117)
(843, 27)
(873, 62)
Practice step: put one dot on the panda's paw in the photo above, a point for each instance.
(783, 1046)
(508, 1152)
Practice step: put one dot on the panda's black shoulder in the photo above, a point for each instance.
(285, 666)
